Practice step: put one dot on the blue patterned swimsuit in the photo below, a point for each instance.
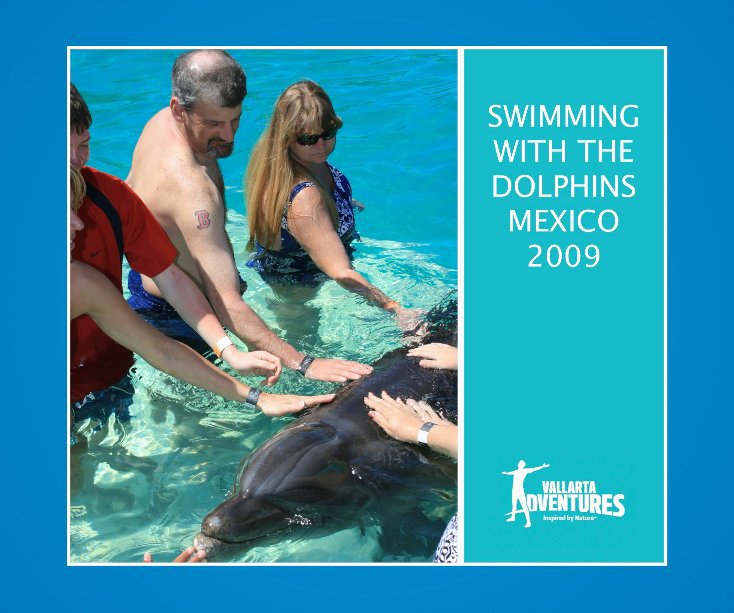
(292, 265)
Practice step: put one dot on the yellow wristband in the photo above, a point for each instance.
(222, 344)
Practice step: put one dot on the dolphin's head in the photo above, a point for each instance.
(242, 519)
(282, 484)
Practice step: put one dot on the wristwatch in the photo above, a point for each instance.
(305, 363)
(253, 396)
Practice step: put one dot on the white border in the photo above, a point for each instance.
(460, 255)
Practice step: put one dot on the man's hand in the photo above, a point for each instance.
(275, 405)
(437, 355)
(254, 363)
(337, 371)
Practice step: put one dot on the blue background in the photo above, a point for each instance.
(699, 294)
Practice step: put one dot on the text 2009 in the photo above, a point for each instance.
(572, 256)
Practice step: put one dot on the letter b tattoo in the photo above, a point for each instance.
(203, 217)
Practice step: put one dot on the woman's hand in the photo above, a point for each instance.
(436, 355)
(276, 405)
(410, 320)
(401, 420)
(254, 363)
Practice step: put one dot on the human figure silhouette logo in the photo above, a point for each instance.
(518, 489)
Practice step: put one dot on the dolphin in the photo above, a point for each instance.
(327, 466)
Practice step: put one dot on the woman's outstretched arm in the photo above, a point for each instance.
(94, 295)
(310, 224)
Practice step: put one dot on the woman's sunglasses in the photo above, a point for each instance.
(311, 139)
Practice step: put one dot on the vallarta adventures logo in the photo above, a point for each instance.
(568, 501)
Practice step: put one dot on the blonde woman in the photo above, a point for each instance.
(299, 206)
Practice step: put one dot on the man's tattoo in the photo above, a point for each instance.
(203, 217)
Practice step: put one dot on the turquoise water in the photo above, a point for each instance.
(146, 485)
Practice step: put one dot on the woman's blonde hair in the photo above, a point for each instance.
(77, 187)
(303, 108)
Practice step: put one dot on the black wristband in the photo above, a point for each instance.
(305, 363)
(253, 396)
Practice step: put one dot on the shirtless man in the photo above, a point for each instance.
(176, 173)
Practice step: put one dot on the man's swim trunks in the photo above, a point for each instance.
(116, 222)
(292, 265)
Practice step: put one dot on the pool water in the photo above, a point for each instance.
(146, 484)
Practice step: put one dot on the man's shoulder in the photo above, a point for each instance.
(174, 169)
(165, 171)
(187, 184)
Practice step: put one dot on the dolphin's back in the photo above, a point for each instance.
(323, 448)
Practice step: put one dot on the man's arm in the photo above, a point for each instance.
(185, 296)
(202, 227)
(150, 251)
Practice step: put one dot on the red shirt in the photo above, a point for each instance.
(96, 360)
